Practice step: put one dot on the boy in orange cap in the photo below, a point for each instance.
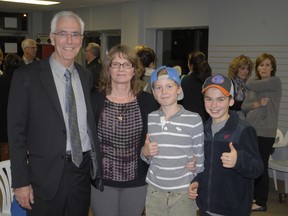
(232, 160)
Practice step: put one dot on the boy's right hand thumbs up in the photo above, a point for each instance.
(150, 148)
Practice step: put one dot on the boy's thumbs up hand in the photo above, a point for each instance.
(229, 158)
(150, 148)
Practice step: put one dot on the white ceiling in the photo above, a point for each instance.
(64, 5)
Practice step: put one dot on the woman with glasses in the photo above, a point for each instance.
(261, 107)
(121, 110)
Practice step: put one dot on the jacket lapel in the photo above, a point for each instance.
(47, 80)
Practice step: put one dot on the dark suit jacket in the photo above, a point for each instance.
(95, 67)
(36, 124)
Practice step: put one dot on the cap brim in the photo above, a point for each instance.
(223, 90)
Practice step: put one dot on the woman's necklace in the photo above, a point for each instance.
(121, 100)
(119, 116)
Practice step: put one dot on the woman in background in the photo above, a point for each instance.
(261, 107)
(240, 69)
(192, 83)
(121, 110)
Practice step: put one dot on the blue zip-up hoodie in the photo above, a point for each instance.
(229, 191)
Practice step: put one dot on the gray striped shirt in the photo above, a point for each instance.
(179, 139)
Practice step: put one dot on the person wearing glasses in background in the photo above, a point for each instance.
(51, 179)
(94, 63)
(121, 110)
(29, 47)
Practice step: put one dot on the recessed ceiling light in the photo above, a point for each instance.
(33, 2)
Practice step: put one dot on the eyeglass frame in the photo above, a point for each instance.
(64, 34)
(31, 47)
(119, 65)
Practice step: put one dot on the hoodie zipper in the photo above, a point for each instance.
(210, 174)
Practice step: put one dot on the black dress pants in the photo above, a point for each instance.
(73, 195)
(261, 188)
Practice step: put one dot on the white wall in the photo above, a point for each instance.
(137, 20)
(250, 28)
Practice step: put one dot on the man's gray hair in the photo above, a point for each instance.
(62, 14)
(28, 42)
(95, 49)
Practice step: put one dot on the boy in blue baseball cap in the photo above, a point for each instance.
(173, 148)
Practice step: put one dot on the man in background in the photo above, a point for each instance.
(94, 64)
(29, 47)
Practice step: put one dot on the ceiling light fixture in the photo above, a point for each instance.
(33, 2)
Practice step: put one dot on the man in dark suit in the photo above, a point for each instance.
(46, 179)
(94, 64)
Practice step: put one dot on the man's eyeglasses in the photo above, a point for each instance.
(31, 47)
(64, 34)
(126, 65)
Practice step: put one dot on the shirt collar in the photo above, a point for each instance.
(59, 69)
(180, 112)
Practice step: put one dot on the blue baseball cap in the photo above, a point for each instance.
(172, 74)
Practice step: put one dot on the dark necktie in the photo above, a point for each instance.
(70, 108)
